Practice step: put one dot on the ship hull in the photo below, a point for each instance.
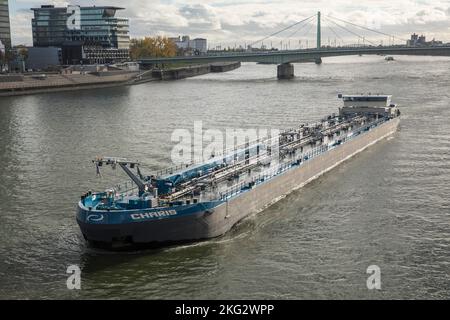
(212, 219)
(271, 191)
(153, 227)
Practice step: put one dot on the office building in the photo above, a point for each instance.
(421, 41)
(95, 36)
(196, 46)
(5, 28)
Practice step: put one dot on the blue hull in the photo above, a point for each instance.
(148, 226)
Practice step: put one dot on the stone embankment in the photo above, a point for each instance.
(16, 84)
(192, 71)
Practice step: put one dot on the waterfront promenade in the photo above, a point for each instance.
(59, 82)
(52, 82)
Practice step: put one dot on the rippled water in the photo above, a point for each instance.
(388, 206)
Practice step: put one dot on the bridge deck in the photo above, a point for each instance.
(279, 57)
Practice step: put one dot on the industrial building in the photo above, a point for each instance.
(421, 41)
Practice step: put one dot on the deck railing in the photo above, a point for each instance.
(297, 161)
(223, 154)
(129, 186)
(125, 187)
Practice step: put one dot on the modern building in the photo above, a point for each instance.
(96, 35)
(43, 58)
(188, 46)
(5, 28)
(200, 45)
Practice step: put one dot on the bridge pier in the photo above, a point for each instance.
(318, 60)
(285, 71)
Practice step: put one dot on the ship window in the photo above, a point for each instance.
(375, 98)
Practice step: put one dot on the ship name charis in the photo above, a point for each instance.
(149, 215)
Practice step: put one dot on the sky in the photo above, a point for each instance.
(241, 22)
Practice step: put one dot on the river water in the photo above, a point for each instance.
(389, 206)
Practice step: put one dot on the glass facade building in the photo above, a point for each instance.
(96, 36)
(5, 29)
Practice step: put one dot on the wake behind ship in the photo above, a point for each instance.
(206, 200)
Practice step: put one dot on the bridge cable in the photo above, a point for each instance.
(362, 27)
(301, 27)
(362, 37)
(308, 32)
(354, 33)
(335, 33)
(278, 32)
(308, 23)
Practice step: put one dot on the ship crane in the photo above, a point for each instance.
(124, 164)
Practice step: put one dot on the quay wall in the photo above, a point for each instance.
(61, 82)
(113, 73)
(182, 73)
(50, 89)
(225, 66)
(195, 70)
(15, 85)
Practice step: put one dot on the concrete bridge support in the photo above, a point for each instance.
(318, 60)
(285, 71)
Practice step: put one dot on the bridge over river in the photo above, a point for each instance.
(285, 58)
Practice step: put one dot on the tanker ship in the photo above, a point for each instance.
(205, 200)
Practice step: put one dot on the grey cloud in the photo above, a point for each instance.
(197, 11)
(259, 14)
(247, 20)
(200, 17)
(421, 13)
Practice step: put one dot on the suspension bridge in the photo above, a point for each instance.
(340, 29)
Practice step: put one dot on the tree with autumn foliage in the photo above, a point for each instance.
(152, 47)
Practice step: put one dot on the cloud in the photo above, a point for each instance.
(242, 21)
(21, 27)
(201, 17)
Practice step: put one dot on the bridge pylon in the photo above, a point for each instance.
(285, 71)
(319, 32)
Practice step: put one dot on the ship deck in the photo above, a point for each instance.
(244, 174)
(226, 176)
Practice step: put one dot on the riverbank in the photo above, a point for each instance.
(195, 70)
(31, 84)
(62, 82)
